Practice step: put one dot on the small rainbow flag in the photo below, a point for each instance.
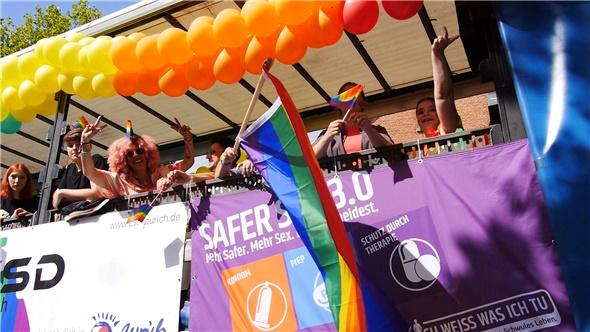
(347, 98)
(139, 213)
(80, 122)
(129, 129)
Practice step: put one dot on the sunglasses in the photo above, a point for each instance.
(131, 153)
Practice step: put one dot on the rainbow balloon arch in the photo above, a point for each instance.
(221, 49)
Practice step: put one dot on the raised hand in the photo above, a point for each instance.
(360, 120)
(334, 128)
(441, 42)
(183, 130)
(91, 130)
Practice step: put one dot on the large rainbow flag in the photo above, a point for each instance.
(278, 145)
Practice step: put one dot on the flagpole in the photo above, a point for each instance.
(255, 96)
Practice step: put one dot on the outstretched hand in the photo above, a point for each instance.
(441, 42)
(91, 130)
(174, 178)
(183, 130)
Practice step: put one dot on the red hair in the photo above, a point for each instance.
(118, 149)
(26, 192)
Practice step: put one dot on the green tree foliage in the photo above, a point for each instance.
(43, 23)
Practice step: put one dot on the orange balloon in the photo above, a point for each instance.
(125, 83)
(229, 28)
(330, 23)
(147, 53)
(260, 17)
(200, 37)
(147, 82)
(293, 12)
(226, 69)
(302, 33)
(137, 36)
(199, 73)
(255, 56)
(289, 50)
(173, 83)
(173, 47)
(311, 28)
(123, 55)
(237, 53)
(269, 42)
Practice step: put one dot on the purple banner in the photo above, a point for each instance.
(454, 243)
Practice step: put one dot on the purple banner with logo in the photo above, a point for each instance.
(454, 243)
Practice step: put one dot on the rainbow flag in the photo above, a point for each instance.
(80, 122)
(139, 213)
(129, 129)
(278, 145)
(346, 99)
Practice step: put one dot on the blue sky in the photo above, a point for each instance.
(16, 9)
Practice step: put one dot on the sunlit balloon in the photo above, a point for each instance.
(260, 18)
(10, 125)
(173, 83)
(28, 64)
(147, 53)
(293, 12)
(289, 49)
(227, 69)
(199, 73)
(26, 114)
(46, 79)
(125, 83)
(51, 50)
(74, 37)
(137, 36)
(123, 55)
(65, 83)
(9, 69)
(86, 41)
(173, 46)
(103, 86)
(99, 55)
(83, 87)
(39, 46)
(147, 82)
(255, 56)
(360, 16)
(330, 24)
(200, 37)
(30, 94)
(229, 28)
(68, 56)
(11, 100)
(47, 108)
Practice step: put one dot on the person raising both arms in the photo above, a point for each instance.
(438, 115)
(351, 134)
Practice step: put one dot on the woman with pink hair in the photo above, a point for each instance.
(134, 163)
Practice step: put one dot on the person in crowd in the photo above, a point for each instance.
(223, 162)
(134, 162)
(352, 134)
(438, 115)
(16, 195)
(73, 185)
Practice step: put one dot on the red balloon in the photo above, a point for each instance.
(401, 10)
(360, 16)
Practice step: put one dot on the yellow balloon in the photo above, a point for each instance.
(83, 87)
(75, 37)
(65, 83)
(46, 78)
(39, 46)
(99, 55)
(3, 112)
(51, 50)
(83, 59)
(68, 56)
(30, 94)
(10, 99)
(28, 64)
(26, 114)
(48, 108)
(103, 85)
(10, 73)
(86, 41)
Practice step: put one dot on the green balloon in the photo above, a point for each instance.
(10, 125)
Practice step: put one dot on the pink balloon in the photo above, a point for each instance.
(401, 10)
(360, 16)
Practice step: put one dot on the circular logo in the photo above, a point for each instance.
(266, 306)
(320, 296)
(414, 264)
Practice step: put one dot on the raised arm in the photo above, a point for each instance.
(189, 149)
(444, 98)
(320, 147)
(88, 168)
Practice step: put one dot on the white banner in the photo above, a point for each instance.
(97, 274)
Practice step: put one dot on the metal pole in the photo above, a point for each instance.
(51, 169)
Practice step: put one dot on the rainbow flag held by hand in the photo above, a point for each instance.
(139, 213)
(278, 145)
(346, 99)
(80, 122)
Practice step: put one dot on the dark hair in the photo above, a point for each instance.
(424, 99)
(225, 143)
(26, 192)
(73, 135)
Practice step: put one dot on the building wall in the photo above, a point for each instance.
(402, 126)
